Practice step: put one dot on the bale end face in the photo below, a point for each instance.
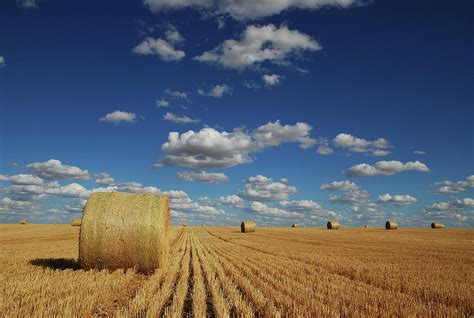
(75, 222)
(333, 225)
(248, 226)
(391, 225)
(124, 230)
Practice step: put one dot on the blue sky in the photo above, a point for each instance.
(297, 111)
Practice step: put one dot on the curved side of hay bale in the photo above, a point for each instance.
(295, 225)
(333, 225)
(124, 230)
(76, 222)
(391, 225)
(248, 226)
(437, 225)
(24, 222)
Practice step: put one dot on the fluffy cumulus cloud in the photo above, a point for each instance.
(162, 103)
(203, 176)
(384, 168)
(261, 188)
(309, 207)
(344, 185)
(180, 119)
(457, 211)
(104, 179)
(376, 147)
(175, 94)
(246, 9)
(172, 35)
(2, 62)
(269, 211)
(271, 79)
(119, 116)
(159, 47)
(22, 179)
(403, 199)
(208, 147)
(273, 134)
(217, 91)
(446, 187)
(180, 202)
(55, 169)
(259, 44)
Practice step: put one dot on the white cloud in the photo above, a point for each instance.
(104, 179)
(251, 84)
(22, 179)
(351, 197)
(403, 199)
(309, 207)
(271, 79)
(419, 152)
(261, 188)
(260, 44)
(160, 47)
(232, 200)
(162, 103)
(376, 147)
(2, 62)
(119, 116)
(136, 187)
(8, 203)
(458, 211)
(217, 91)
(73, 190)
(180, 202)
(344, 185)
(384, 168)
(177, 94)
(246, 9)
(27, 4)
(273, 134)
(180, 119)
(172, 35)
(446, 186)
(263, 209)
(203, 176)
(54, 169)
(209, 148)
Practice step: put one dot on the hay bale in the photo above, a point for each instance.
(295, 225)
(24, 221)
(437, 225)
(248, 226)
(124, 230)
(333, 225)
(366, 226)
(76, 222)
(391, 225)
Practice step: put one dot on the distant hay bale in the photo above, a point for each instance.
(24, 221)
(248, 226)
(437, 225)
(366, 226)
(76, 222)
(333, 225)
(295, 225)
(391, 225)
(124, 230)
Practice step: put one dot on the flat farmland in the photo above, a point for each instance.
(220, 272)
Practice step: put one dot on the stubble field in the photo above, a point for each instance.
(220, 272)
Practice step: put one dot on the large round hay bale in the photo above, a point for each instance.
(437, 225)
(391, 225)
(24, 221)
(248, 226)
(295, 225)
(124, 230)
(333, 225)
(76, 222)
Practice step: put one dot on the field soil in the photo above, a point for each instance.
(220, 272)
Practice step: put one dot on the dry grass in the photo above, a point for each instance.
(220, 272)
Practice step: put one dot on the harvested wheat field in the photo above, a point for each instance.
(220, 272)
